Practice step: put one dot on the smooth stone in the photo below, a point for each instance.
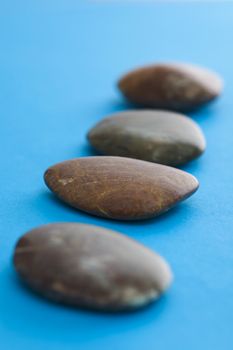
(157, 136)
(119, 188)
(89, 266)
(174, 86)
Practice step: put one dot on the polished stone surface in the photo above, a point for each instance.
(119, 188)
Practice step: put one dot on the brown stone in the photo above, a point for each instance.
(171, 86)
(119, 188)
(89, 266)
(157, 136)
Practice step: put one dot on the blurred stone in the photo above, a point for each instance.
(171, 86)
(89, 266)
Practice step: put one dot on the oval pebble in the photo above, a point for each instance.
(119, 188)
(157, 136)
(89, 266)
(175, 86)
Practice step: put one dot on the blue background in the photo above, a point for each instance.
(59, 61)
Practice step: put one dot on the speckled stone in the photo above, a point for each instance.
(173, 86)
(89, 266)
(119, 188)
(157, 136)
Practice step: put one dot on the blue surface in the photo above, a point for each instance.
(59, 61)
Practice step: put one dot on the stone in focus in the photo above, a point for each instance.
(89, 266)
(157, 136)
(174, 86)
(119, 188)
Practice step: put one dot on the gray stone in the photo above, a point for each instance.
(157, 136)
